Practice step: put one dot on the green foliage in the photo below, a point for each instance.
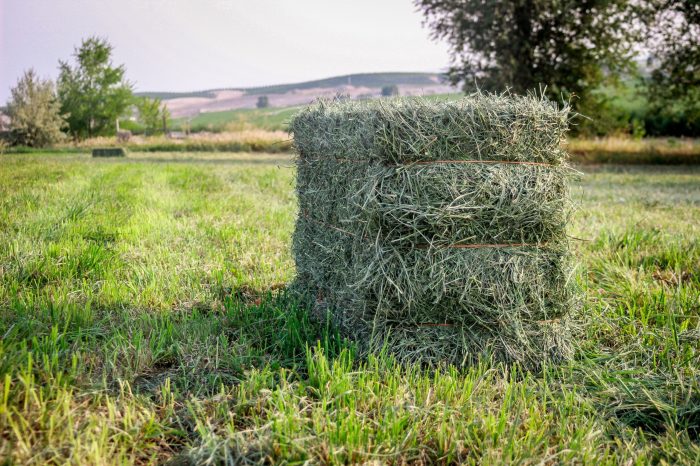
(524, 44)
(638, 131)
(34, 111)
(390, 90)
(635, 106)
(94, 93)
(134, 126)
(263, 102)
(153, 114)
(578, 48)
(674, 86)
(601, 114)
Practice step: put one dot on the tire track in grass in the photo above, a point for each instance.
(63, 251)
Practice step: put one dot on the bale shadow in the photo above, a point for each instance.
(279, 326)
(658, 418)
(264, 328)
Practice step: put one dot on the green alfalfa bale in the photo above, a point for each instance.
(446, 220)
(476, 127)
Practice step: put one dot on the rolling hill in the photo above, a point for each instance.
(364, 85)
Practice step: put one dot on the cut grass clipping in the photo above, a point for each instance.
(436, 231)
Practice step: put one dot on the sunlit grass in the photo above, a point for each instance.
(143, 319)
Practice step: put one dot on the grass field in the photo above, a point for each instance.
(143, 319)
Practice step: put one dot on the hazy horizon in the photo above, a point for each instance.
(181, 45)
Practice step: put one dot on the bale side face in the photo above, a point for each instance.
(453, 204)
(403, 237)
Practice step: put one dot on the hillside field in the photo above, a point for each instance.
(269, 119)
(144, 319)
(358, 86)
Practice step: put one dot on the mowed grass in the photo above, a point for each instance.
(143, 319)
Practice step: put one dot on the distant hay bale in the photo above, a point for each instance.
(109, 152)
(437, 230)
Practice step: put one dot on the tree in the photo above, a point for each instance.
(568, 45)
(674, 86)
(392, 90)
(34, 111)
(263, 102)
(152, 113)
(94, 93)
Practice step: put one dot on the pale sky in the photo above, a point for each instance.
(185, 45)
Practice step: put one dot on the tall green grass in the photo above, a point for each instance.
(143, 318)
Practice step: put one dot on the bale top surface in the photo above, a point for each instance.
(403, 130)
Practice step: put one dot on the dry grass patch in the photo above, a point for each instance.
(671, 151)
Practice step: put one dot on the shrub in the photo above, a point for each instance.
(153, 114)
(392, 90)
(35, 119)
(263, 102)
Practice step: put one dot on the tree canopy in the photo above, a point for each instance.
(523, 44)
(675, 79)
(152, 113)
(93, 93)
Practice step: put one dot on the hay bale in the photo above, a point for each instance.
(109, 152)
(437, 230)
